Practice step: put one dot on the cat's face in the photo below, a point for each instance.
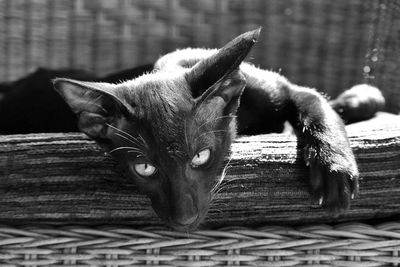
(172, 146)
(169, 130)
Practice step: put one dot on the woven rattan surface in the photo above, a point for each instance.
(320, 245)
(330, 45)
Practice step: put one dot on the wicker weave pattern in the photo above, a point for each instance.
(320, 245)
(329, 45)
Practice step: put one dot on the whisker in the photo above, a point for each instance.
(135, 141)
(225, 187)
(219, 189)
(135, 150)
(210, 121)
(140, 153)
(121, 131)
(144, 141)
(231, 181)
(209, 132)
(129, 136)
(128, 139)
(123, 147)
(223, 174)
(228, 184)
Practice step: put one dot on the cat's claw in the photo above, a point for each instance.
(333, 190)
(338, 192)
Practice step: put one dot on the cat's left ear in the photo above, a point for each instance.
(95, 104)
(225, 94)
(219, 74)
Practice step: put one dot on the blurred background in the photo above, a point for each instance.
(330, 45)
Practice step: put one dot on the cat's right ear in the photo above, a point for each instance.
(95, 104)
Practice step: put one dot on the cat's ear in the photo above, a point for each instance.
(224, 95)
(219, 74)
(95, 104)
(227, 59)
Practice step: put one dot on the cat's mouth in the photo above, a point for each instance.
(184, 223)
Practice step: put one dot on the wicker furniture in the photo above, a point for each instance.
(330, 45)
(352, 245)
(63, 203)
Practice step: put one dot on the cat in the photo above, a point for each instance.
(171, 127)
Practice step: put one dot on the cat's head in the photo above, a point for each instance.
(170, 130)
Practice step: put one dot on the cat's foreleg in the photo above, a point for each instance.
(327, 152)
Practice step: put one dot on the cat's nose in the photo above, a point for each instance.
(185, 211)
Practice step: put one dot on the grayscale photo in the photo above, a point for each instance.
(199, 133)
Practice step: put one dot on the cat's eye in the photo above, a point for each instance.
(201, 158)
(145, 169)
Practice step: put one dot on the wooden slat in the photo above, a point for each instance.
(66, 178)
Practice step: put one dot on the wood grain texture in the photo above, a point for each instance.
(64, 178)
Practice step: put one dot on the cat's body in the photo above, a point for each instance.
(171, 128)
(261, 106)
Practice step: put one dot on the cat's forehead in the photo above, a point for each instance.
(163, 90)
(162, 102)
(166, 113)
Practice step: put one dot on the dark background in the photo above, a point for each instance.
(330, 45)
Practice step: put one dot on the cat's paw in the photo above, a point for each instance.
(361, 102)
(334, 182)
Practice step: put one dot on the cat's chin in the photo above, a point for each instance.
(187, 227)
(184, 228)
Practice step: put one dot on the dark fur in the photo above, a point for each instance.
(190, 102)
(30, 105)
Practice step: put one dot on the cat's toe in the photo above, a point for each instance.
(316, 184)
(337, 193)
(333, 190)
